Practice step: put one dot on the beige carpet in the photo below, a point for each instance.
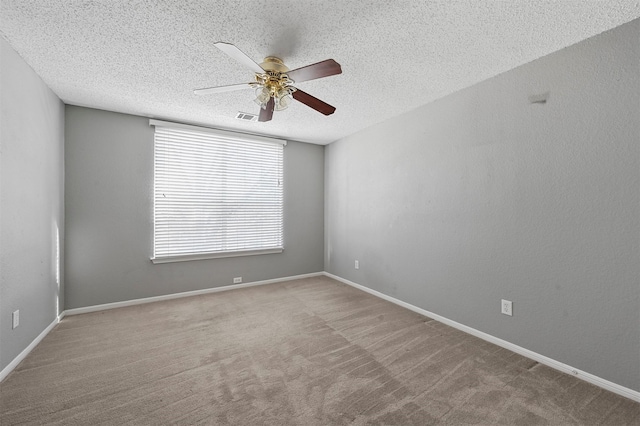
(306, 352)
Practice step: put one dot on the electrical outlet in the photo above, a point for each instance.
(237, 280)
(15, 319)
(357, 264)
(506, 307)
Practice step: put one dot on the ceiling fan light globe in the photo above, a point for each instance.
(262, 95)
(283, 102)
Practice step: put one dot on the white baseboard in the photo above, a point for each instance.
(95, 308)
(588, 377)
(17, 360)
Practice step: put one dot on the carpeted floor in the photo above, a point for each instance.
(306, 352)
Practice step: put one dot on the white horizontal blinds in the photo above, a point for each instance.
(215, 194)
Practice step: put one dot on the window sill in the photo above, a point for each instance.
(203, 256)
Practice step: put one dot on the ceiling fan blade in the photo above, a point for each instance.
(220, 89)
(267, 113)
(313, 102)
(239, 56)
(313, 71)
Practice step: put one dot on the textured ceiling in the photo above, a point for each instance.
(145, 57)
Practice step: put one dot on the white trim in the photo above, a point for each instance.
(587, 377)
(17, 360)
(217, 132)
(114, 305)
(218, 255)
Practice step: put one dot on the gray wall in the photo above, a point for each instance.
(31, 203)
(481, 196)
(109, 208)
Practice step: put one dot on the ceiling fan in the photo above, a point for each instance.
(274, 82)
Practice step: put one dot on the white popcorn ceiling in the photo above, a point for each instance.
(145, 57)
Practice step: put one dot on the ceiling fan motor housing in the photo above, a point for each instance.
(272, 63)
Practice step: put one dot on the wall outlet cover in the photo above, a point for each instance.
(506, 307)
(15, 319)
(237, 280)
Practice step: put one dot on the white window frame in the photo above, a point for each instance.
(227, 140)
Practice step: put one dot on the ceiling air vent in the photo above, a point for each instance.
(246, 117)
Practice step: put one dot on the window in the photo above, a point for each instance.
(216, 193)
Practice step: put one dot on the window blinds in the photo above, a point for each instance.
(216, 193)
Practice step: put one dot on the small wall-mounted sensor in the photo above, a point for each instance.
(539, 99)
